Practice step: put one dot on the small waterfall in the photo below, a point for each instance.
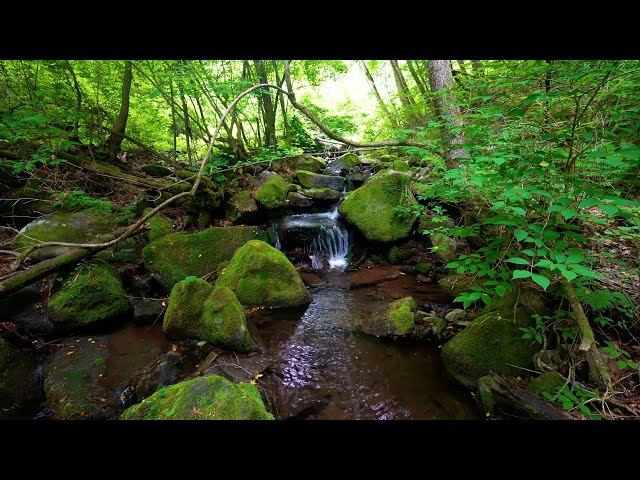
(276, 233)
(327, 242)
(331, 242)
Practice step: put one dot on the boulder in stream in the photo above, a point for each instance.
(199, 310)
(315, 180)
(372, 208)
(240, 205)
(395, 319)
(179, 255)
(205, 398)
(273, 193)
(160, 226)
(260, 275)
(310, 163)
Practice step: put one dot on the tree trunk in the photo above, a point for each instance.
(417, 79)
(76, 86)
(280, 82)
(376, 94)
(440, 79)
(269, 114)
(403, 92)
(119, 128)
(185, 112)
(173, 127)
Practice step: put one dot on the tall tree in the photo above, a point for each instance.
(374, 89)
(119, 128)
(441, 81)
(268, 112)
(403, 92)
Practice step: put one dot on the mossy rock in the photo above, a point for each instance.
(205, 398)
(260, 275)
(73, 383)
(311, 164)
(18, 385)
(400, 166)
(490, 344)
(428, 222)
(547, 382)
(394, 255)
(180, 255)
(328, 194)
(372, 207)
(77, 227)
(241, 204)
(422, 268)
(395, 319)
(349, 160)
(156, 170)
(386, 158)
(315, 180)
(160, 226)
(457, 283)
(89, 297)
(273, 193)
(198, 310)
(444, 247)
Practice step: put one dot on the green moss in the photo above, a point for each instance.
(315, 180)
(485, 394)
(457, 283)
(204, 398)
(77, 227)
(322, 193)
(160, 226)
(240, 204)
(224, 322)
(490, 344)
(393, 255)
(260, 275)
(156, 170)
(311, 164)
(198, 310)
(547, 382)
(179, 255)
(372, 207)
(400, 166)
(422, 267)
(273, 193)
(386, 158)
(395, 319)
(349, 160)
(92, 295)
(184, 311)
(444, 246)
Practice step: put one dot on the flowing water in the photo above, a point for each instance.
(323, 370)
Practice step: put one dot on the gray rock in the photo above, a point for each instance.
(19, 308)
(423, 278)
(147, 310)
(298, 200)
(164, 371)
(264, 176)
(454, 315)
(315, 180)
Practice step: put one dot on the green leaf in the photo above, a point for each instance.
(521, 274)
(568, 213)
(98, 361)
(546, 264)
(517, 260)
(575, 258)
(584, 271)
(520, 211)
(201, 343)
(568, 275)
(500, 290)
(475, 296)
(520, 234)
(609, 210)
(587, 203)
(541, 280)
(567, 405)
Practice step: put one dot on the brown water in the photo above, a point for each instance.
(322, 370)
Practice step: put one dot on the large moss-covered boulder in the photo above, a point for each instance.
(444, 247)
(241, 204)
(78, 227)
(328, 194)
(344, 164)
(74, 381)
(156, 170)
(311, 163)
(395, 319)
(198, 310)
(90, 296)
(547, 382)
(260, 275)
(160, 226)
(205, 398)
(372, 207)
(315, 180)
(273, 193)
(400, 166)
(492, 343)
(18, 385)
(180, 255)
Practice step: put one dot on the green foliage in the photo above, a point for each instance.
(623, 357)
(76, 200)
(575, 398)
(300, 138)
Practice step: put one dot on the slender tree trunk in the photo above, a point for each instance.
(115, 139)
(417, 79)
(185, 112)
(269, 114)
(173, 124)
(76, 86)
(376, 94)
(280, 82)
(440, 79)
(403, 91)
